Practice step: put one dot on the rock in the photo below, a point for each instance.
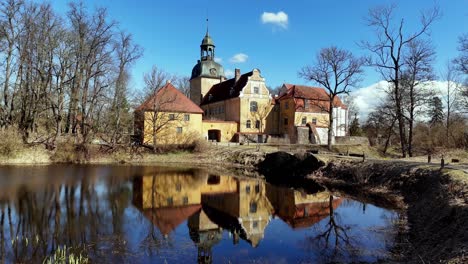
(284, 166)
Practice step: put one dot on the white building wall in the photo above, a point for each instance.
(322, 135)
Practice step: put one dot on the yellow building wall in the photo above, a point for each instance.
(322, 118)
(263, 100)
(227, 184)
(215, 111)
(200, 86)
(191, 130)
(287, 110)
(228, 129)
(233, 109)
(156, 190)
(273, 121)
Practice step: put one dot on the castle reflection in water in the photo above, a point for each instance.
(213, 203)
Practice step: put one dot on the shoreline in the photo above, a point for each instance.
(434, 202)
(415, 189)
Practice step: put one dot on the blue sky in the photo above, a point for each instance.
(171, 31)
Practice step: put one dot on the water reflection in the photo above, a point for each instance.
(123, 214)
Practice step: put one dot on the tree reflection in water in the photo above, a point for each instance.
(114, 214)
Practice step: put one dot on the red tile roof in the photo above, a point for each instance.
(306, 215)
(311, 93)
(168, 219)
(226, 90)
(170, 99)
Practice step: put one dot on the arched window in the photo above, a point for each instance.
(248, 124)
(257, 124)
(253, 106)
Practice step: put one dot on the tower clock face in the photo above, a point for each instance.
(213, 71)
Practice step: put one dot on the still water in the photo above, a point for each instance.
(147, 214)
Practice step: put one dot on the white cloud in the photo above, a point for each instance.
(368, 98)
(218, 60)
(239, 58)
(229, 73)
(279, 19)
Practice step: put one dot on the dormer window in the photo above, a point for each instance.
(231, 91)
(210, 97)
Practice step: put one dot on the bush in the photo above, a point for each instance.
(11, 142)
(69, 152)
(200, 145)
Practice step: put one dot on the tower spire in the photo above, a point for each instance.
(207, 27)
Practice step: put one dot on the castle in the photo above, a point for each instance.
(240, 109)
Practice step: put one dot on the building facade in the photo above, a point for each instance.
(240, 109)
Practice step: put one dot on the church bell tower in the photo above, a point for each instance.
(207, 72)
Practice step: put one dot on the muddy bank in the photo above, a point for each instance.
(435, 202)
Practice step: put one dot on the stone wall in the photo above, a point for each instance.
(352, 140)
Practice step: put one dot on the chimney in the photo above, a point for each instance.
(237, 74)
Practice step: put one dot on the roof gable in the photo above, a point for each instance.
(169, 99)
(310, 93)
(226, 90)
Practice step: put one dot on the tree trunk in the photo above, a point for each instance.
(399, 115)
(330, 124)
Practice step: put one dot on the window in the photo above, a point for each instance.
(171, 116)
(231, 91)
(185, 200)
(286, 105)
(256, 90)
(304, 120)
(213, 180)
(179, 130)
(247, 189)
(253, 207)
(255, 224)
(178, 187)
(306, 103)
(170, 201)
(186, 117)
(257, 188)
(248, 124)
(314, 121)
(253, 106)
(257, 124)
(285, 121)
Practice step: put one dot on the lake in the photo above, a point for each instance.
(154, 214)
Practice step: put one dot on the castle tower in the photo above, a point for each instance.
(207, 72)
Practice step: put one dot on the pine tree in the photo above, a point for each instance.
(355, 129)
(436, 111)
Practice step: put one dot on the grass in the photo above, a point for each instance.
(63, 256)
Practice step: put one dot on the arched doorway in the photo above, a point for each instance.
(214, 134)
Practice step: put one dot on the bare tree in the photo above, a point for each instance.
(338, 71)
(462, 59)
(451, 95)
(388, 52)
(9, 32)
(183, 84)
(381, 124)
(415, 82)
(127, 53)
(156, 102)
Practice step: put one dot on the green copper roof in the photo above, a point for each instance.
(207, 40)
